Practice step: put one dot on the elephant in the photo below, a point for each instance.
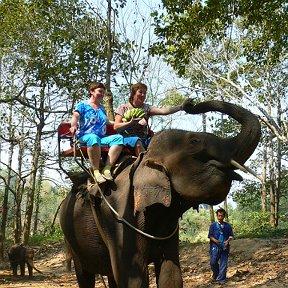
(20, 255)
(118, 228)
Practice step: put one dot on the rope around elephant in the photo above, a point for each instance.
(125, 221)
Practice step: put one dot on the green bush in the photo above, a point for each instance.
(51, 235)
(256, 224)
(194, 225)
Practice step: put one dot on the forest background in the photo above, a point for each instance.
(227, 50)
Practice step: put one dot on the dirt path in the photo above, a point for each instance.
(252, 263)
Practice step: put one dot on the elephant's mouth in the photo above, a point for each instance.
(226, 169)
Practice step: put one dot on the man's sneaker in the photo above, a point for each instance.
(107, 175)
(99, 178)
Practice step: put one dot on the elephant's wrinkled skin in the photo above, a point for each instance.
(180, 170)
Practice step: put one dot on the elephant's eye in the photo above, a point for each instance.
(194, 141)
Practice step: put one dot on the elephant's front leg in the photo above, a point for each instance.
(85, 279)
(128, 257)
(138, 278)
(22, 268)
(14, 268)
(131, 273)
(30, 270)
(169, 274)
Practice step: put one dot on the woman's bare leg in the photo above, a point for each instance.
(113, 155)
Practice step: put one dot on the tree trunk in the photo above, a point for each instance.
(212, 217)
(18, 217)
(264, 175)
(272, 184)
(278, 165)
(37, 200)
(19, 190)
(109, 97)
(5, 199)
(277, 181)
(1, 248)
(226, 209)
(204, 128)
(7, 185)
(35, 162)
(271, 170)
(225, 201)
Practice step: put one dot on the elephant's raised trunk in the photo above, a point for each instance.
(241, 146)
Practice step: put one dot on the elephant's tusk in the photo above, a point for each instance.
(245, 169)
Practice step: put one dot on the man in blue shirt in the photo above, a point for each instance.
(220, 234)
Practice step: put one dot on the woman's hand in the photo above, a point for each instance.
(73, 130)
(134, 121)
(187, 105)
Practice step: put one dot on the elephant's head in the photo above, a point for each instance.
(197, 165)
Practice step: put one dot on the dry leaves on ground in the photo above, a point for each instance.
(252, 263)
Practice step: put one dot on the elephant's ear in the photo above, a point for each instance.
(151, 185)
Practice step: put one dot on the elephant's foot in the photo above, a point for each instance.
(111, 282)
(85, 279)
(170, 276)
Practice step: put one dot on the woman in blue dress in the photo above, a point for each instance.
(89, 122)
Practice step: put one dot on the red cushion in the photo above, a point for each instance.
(64, 133)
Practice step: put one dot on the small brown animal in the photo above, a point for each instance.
(20, 255)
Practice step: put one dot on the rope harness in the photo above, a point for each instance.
(121, 219)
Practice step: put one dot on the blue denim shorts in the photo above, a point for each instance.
(131, 141)
(106, 141)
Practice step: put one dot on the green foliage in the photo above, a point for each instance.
(255, 224)
(248, 197)
(54, 42)
(194, 226)
(225, 126)
(246, 224)
(186, 25)
(173, 98)
(54, 234)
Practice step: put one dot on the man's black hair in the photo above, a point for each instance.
(221, 210)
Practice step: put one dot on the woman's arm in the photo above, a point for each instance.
(165, 110)
(74, 121)
(170, 110)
